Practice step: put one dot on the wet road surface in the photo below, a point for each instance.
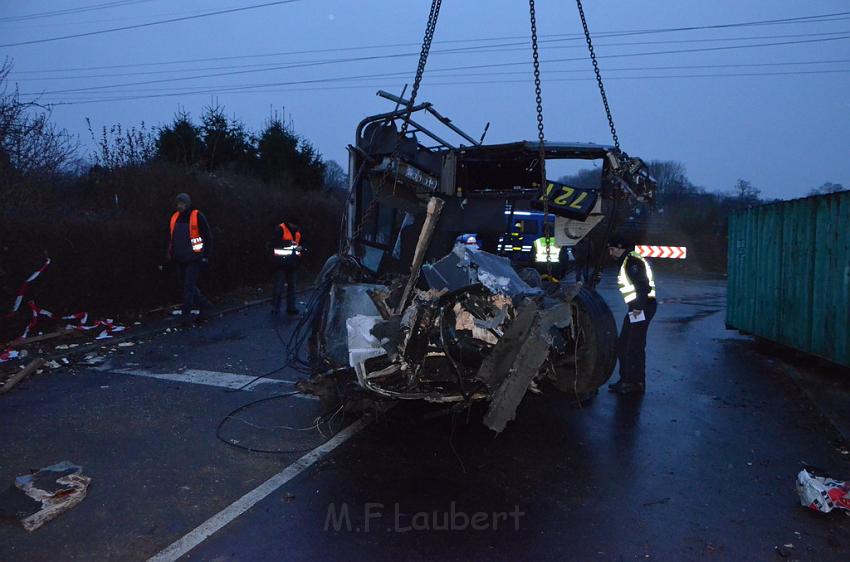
(701, 467)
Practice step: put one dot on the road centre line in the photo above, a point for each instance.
(243, 504)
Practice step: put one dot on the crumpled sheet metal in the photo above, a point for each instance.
(465, 266)
(37, 498)
(821, 493)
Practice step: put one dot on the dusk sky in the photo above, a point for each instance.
(766, 99)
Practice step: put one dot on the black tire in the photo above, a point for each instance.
(580, 370)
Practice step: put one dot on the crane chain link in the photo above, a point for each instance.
(598, 75)
(540, 136)
(430, 28)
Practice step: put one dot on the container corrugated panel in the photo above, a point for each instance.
(789, 274)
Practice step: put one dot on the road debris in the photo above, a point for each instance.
(21, 375)
(822, 493)
(37, 498)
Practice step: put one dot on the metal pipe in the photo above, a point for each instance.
(448, 123)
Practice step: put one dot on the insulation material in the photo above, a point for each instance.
(362, 345)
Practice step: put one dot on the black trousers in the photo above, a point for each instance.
(192, 296)
(631, 346)
(284, 276)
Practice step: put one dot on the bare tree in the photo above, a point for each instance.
(335, 176)
(29, 142)
(671, 178)
(746, 192)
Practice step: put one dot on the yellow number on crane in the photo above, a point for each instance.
(564, 197)
(549, 188)
(576, 204)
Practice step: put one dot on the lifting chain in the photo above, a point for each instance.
(430, 27)
(540, 137)
(423, 59)
(598, 75)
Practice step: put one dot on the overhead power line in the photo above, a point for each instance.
(833, 16)
(455, 83)
(470, 67)
(260, 67)
(149, 24)
(442, 73)
(77, 10)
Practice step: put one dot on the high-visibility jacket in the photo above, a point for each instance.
(627, 287)
(194, 231)
(287, 246)
(541, 255)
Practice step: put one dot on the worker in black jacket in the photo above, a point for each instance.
(190, 248)
(637, 286)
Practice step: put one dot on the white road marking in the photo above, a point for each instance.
(246, 502)
(213, 378)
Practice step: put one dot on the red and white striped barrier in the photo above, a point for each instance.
(79, 318)
(25, 285)
(674, 252)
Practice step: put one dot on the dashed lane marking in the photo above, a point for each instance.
(246, 502)
(214, 378)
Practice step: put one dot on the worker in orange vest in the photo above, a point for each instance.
(286, 255)
(189, 247)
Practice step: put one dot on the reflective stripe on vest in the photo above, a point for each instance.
(540, 253)
(287, 235)
(194, 231)
(627, 289)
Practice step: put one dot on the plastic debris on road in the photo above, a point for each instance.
(822, 493)
(37, 498)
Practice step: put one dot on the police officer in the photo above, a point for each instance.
(286, 251)
(190, 248)
(637, 286)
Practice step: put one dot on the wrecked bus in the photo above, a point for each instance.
(405, 312)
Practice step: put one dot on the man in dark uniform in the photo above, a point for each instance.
(286, 252)
(637, 286)
(190, 248)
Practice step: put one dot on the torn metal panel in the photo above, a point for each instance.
(522, 359)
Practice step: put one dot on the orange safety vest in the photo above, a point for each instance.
(287, 235)
(194, 231)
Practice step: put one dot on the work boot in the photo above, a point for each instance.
(621, 387)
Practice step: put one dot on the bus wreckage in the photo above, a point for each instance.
(406, 313)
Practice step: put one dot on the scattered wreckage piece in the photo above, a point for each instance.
(32, 367)
(37, 498)
(821, 493)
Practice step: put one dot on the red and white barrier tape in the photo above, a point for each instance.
(80, 319)
(25, 285)
(9, 354)
(674, 252)
(36, 312)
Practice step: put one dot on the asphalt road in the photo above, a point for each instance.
(701, 467)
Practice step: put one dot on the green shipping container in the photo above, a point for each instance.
(789, 274)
